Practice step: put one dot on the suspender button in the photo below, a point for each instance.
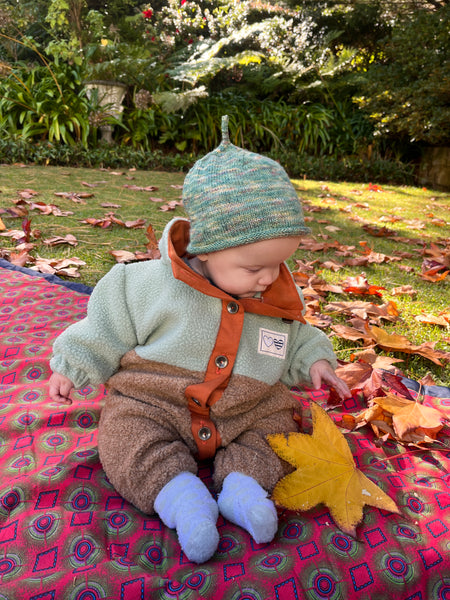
(221, 361)
(232, 308)
(204, 433)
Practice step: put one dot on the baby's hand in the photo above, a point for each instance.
(60, 387)
(322, 372)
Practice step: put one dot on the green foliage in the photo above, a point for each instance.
(407, 94)
(288, 77)
(44, 103)
(15, 149)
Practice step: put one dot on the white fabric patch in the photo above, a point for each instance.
(272, 343)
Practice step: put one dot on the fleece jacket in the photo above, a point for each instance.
(191, 371)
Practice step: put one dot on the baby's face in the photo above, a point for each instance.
(244, 271)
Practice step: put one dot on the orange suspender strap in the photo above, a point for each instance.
(201, 396)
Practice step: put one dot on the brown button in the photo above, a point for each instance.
(204, 433)
(221, 361)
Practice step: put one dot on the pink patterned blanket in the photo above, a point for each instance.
(65, 533)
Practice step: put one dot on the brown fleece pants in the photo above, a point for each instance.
(145, 437)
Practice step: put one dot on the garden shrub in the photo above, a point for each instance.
(120, 157)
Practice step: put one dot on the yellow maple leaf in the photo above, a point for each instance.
(325, 474)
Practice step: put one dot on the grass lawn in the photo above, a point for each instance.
(394, 227)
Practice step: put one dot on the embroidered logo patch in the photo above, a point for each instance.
(272, 343)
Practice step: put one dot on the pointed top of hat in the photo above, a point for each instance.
(225, 134)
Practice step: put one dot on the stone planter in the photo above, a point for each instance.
(110, 96)
(435, 168)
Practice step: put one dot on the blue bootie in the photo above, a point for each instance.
(244, 502)
(186, 504)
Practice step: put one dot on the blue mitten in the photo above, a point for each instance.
(244, 502)
(186, 504)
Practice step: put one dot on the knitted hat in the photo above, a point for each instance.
(235, 197)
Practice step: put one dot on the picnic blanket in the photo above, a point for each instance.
(65, 533)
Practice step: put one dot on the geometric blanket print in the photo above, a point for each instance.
(65, 533)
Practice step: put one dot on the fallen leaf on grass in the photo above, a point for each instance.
(89, 185)
(404, 290)
(58, 240)
(360, 285)
(325, 474)
(376, 257)
(15, 211)
(2, 226)
(59, 267)
(433, 275)
(350, 333)
(138, 188)
(365, 310)
(49, 209)
(373, 187)
(123, 256)
(442, 319)
(78, 197)
(110, 219)
(171, 205)
(20, 259)
(393, 342)
(331, 265)
(152, 253)
(109, 205)
(415, 224)
(27, 194)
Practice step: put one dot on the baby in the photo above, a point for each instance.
(198, 351)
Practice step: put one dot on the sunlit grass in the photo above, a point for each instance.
(420, 215)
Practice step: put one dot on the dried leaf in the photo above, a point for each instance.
(428, 319)
(27, 194)
(137, 224)
(401, 419)
(20, 259)
(138, 188)
(78, 197)
(434, 276)
(408, 416)
(171, 205)
(393, 342)
(360, 285)
(60, 267)
(325, 473)
(58, 240)
(404, 290)
(152, 243)
(123, 256)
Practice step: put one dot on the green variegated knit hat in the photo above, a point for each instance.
(235, 197)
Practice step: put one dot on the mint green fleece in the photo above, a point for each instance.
(142, 306)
